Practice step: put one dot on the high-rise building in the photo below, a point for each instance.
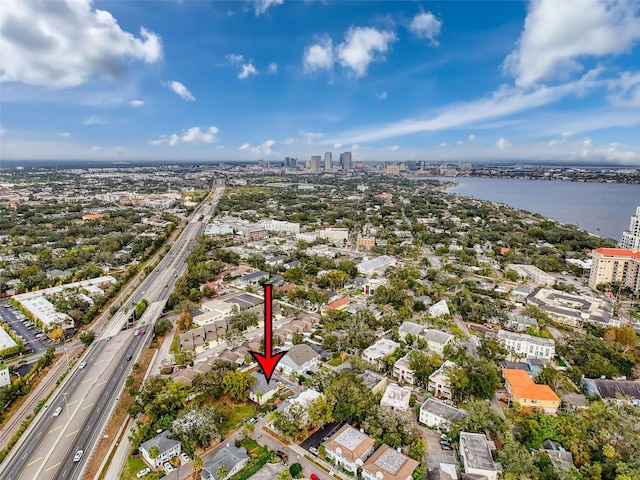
(631, 237)
(315, 163)
(615, 265)
(327, 162)
(346, 161)
(290, 162)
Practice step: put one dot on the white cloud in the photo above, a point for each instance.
(288, 141)
(94, 120)
(584, 153)
(191, 135)
(504, 102)
(355, 147)
(442, 145)
(265, 148)
(247, 70)
(63, 44)
(626, 90)
(337, 145)
(3, 130)
(234, 59)
(362, 46)
(587, 141)
(566, 134)
(471, 138)
(426, 25)
(261, 6)
(272, 68)
(136, 103)
(64, 134)
(318, 56)
(394, 148)
(556, 34)
(503, 144)
(181, 90)
(459, 142)
(310, 137)
(382, 96)
(244, 146)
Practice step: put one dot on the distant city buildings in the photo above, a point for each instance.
(314, 164)
(327, 162)
(631, 237)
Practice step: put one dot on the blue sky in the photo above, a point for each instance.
(436, 81)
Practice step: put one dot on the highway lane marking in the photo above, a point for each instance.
(34, 461)
(87, 406)
(54, 429)
(72, 433)
(100, 361)
(87, 380)
(74, 401)
(101, 383)
(52, 467)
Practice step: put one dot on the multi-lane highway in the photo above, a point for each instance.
(49, 448)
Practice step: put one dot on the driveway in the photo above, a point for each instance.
(435, 454)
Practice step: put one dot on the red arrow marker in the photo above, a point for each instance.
(268, 361)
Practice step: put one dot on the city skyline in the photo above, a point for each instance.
(270, 79)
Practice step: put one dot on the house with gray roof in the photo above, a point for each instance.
(437, 339)
(378, 264)
(437, 414)
(299, 359)
(410, 328)
(232, 457)
(168, 447)
(262, 391)
(388, 464)
(475, 450)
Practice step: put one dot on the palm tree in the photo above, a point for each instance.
(197, 465)
(222, 472)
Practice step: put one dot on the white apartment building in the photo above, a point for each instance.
(439, 383)
(402, 371)
(631, 237)
(334, 234)
(281, 226)
(349, 448)
(527, 346)
(376, 352)
(534, 273)
(475, 450)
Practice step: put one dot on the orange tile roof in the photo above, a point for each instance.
(523, 387)
(618, 252)
(338, 303)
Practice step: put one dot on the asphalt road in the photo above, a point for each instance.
(87, 396)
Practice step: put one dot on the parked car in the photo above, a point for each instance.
(314, 477)
(184, 457)
(167, 467)
(313, 450)
(143, 472)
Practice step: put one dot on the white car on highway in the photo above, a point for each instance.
(78, 455)
(57, 411)
(82, 365)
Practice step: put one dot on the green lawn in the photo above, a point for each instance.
(133, 466)
(334, 362)
(235, 414)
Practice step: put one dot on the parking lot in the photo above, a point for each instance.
(33, 338)
(319, 437)
(435, 454)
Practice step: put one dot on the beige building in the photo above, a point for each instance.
(365, 243)
(388, 464)
(349, 448)
(439, 383)
(615, 265)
